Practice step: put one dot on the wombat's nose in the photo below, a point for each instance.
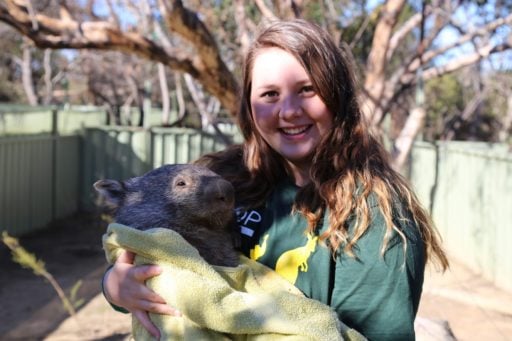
(223, 192)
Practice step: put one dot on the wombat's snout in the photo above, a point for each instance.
(221, 191)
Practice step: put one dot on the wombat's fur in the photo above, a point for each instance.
(189, 199)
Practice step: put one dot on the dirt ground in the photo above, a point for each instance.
(71, 249)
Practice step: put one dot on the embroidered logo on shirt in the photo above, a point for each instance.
(258, 250)
(290, 262)
(247, 221)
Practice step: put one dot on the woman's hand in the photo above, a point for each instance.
(124, 286)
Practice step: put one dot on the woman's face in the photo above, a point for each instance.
(288, 113)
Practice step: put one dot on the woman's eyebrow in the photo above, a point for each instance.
(269, 86)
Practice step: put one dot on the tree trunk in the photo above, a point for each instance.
(48, 85)
(403, 143)
(164, 90)
(206, 117)
(26, 71)
(375, 81)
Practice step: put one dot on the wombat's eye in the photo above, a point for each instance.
(180, 183)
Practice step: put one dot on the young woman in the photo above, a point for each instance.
(318, 200)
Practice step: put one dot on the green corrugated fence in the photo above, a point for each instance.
(23, 119)
(45, 177)
(468, 188)
(16, 119)
(39, 180)
(120, 153)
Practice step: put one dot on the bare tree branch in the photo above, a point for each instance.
(376, 64)
(470, 108)
(179, 97)
(407, 74)
(265, 11)
(360, 31)
(466, 60)
(403, 143)
(481, 31)
(206, 115)
(164, 90)
(413, 22)
(242, 25)
(26, 71)
(48, 85)
(112, 14)
(211, 71)
(169, 33)
(206, 66)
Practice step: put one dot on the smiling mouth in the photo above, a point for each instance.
(294, 131)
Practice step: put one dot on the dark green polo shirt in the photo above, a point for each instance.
(377, 295)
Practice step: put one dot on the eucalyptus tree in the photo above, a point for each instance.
(399, 44)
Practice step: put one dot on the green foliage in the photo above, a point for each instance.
(313, 11)
(73, 295)
(445, 93)
(408, 47)
(23, 257)
(444, 99)
(9, 90)
(29, 261)
(451, 113)
(362, 41)
(10, 83)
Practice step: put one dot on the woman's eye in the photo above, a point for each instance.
(269, 94)
(307, 89)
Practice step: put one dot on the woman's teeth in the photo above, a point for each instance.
(294, 131)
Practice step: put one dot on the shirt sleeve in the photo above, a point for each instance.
(378, 295)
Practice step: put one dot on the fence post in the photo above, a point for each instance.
(55, 134)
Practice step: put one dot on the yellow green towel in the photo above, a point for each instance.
(249, 302)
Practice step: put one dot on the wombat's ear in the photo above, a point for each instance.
(112, 191)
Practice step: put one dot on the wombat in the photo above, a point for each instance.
(189, 199)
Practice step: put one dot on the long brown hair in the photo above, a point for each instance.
(349, 165)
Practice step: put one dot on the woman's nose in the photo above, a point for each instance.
(290, 107)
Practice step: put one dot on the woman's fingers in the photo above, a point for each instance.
(144, 272)
(146, 298)
(149, 295)
(143, 318)
(125, 285)
(151, 301)
(158, 308)
(126, 257)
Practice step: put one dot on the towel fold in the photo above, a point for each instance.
(248, 302)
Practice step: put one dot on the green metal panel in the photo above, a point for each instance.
(123, 152)
(67, 175)
(75, 118)
(423, 171)
(181, 145)
(503, 180)
(120, 153)
(25, 196)
(468, 186)
(115, 153)
(22, 119)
